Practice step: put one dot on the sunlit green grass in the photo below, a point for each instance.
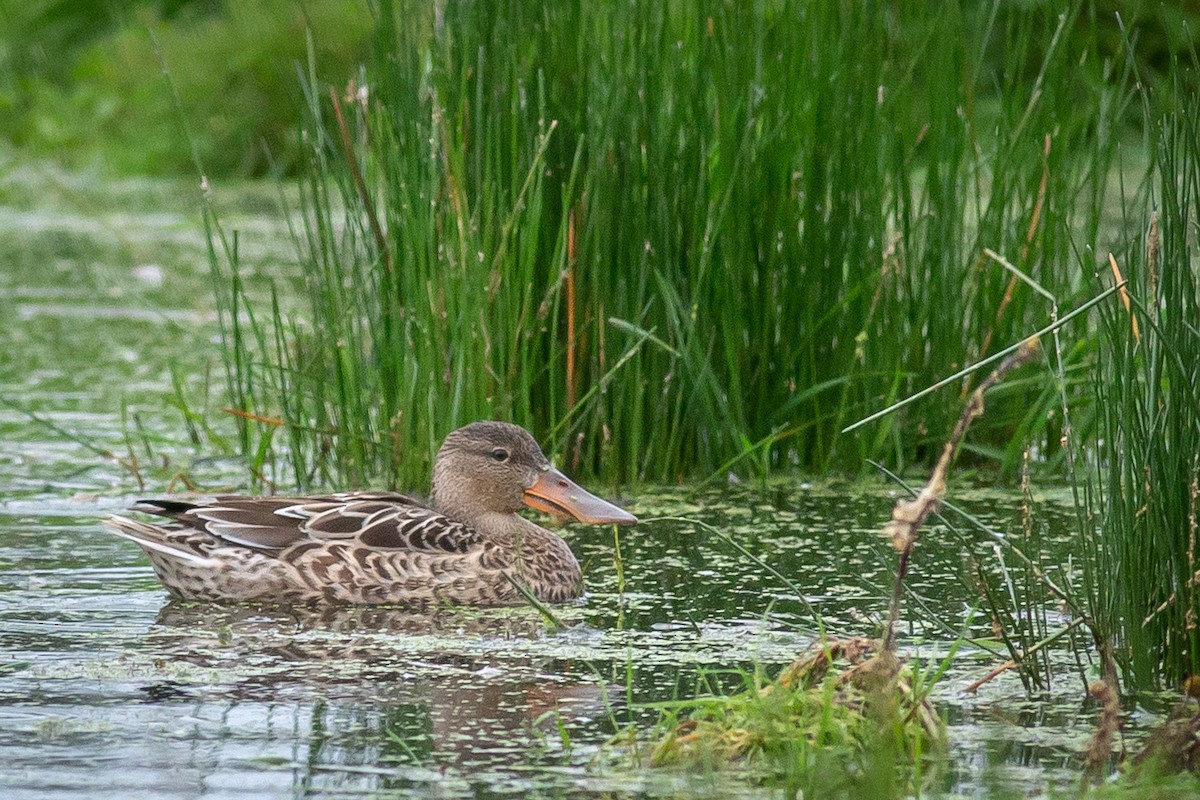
(820, 728)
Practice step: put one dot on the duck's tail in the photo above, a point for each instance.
(157, 538)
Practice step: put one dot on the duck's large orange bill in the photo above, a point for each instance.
(556, 494)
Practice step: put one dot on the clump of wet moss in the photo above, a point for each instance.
(843, 704)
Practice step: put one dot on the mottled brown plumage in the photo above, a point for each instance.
(466, 546)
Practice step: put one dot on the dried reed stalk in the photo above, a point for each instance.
(909, 515)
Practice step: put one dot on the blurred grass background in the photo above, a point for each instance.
(81, 82)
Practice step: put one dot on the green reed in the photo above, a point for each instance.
(679, 239)
(1145, 490)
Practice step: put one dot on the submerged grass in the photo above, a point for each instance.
(818, 731)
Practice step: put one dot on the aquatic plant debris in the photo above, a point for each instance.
(833, 698)
(909, 515)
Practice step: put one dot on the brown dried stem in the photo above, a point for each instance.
(909, 515)
(1100, 745)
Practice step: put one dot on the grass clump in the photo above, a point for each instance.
(1147, 500)
(833, 719)
(1136, 470)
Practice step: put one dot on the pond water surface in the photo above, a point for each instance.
(108, 688)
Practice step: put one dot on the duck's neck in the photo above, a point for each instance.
(447, 499)
(505, 527)
(451, 497)
(510, 530)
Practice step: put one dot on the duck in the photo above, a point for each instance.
(466, 546)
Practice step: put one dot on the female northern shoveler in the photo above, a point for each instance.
(467, 546)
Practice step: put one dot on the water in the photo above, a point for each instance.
(108, 688)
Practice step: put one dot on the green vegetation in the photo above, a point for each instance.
(822, 733)
(1178, 787)
(689, 240)
(679, 242)
(1145, 497)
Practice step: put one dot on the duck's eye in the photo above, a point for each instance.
(500, 455)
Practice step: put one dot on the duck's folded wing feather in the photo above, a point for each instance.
(377, 520)
(262, 523)
(417, 529)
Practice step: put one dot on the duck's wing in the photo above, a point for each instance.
(383, 520)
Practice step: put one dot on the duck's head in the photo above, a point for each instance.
(497, 467)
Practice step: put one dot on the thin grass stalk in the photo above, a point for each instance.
(1149, 393)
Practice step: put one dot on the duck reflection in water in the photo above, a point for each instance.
(372, 687)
